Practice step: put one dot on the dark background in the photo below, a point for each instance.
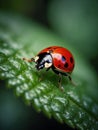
(80, 19)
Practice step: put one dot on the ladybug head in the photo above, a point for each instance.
(43, 60)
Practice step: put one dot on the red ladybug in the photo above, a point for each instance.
(59, 59)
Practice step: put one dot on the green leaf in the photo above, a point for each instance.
(76, 106)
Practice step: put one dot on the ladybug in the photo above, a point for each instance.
(58, 58)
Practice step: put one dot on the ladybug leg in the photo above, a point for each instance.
(71, 81)
(70, 78)
(59, 82)
(29, 60)
(43, 75)
(47, 69)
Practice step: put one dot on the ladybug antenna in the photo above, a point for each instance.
(29, 60)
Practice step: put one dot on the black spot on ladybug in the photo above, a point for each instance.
(66, 65)
(49, 48)
(63, 58)
(50, 51)
(59, 66)
(71, 59)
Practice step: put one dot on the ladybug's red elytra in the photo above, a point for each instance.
(59, 59)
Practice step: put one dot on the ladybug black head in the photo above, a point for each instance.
(43, 60)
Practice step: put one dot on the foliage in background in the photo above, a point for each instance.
(76, 21)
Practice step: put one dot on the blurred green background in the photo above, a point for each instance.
(75, 22)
